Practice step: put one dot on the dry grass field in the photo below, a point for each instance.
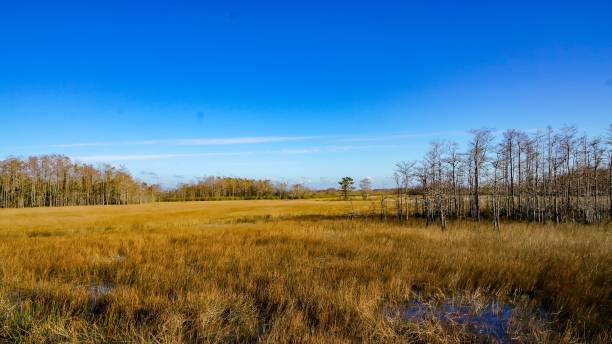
(291, 271)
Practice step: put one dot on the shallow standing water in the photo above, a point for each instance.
(490, 321)
(481, 319)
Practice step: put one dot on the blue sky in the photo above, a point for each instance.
(305, 91)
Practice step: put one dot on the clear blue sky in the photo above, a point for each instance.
(306, 91)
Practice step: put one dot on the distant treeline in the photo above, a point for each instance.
(550, 176)
(213, 188)
(55, 180)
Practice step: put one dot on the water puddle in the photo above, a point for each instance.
(100, 289)
(484, 318)
(263, 329)
(490, 320)
(96, 292)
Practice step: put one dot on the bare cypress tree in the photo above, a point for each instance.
(365, 186)
(507, 150)
(597, 154)
(434, 183)
(422, 173)
(398, 195)
(405, 171)
(497, 163)
(453, 160)
(479, 148)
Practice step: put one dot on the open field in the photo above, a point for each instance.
(278, 271)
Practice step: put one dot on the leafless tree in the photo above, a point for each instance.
(478, 154)
(365, 186)
(404, 173)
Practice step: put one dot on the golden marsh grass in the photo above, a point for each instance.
(282, 271)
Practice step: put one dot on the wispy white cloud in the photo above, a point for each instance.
(128, 157)
(392, 137)
(346, 148)
(295, 151)
(246, 140)
(242, 140)
(191, 142)
(106, 144)
(84, 144)
(252, 140)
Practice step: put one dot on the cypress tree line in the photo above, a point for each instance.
(551, 176)
(235, 188)
(55, 180)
